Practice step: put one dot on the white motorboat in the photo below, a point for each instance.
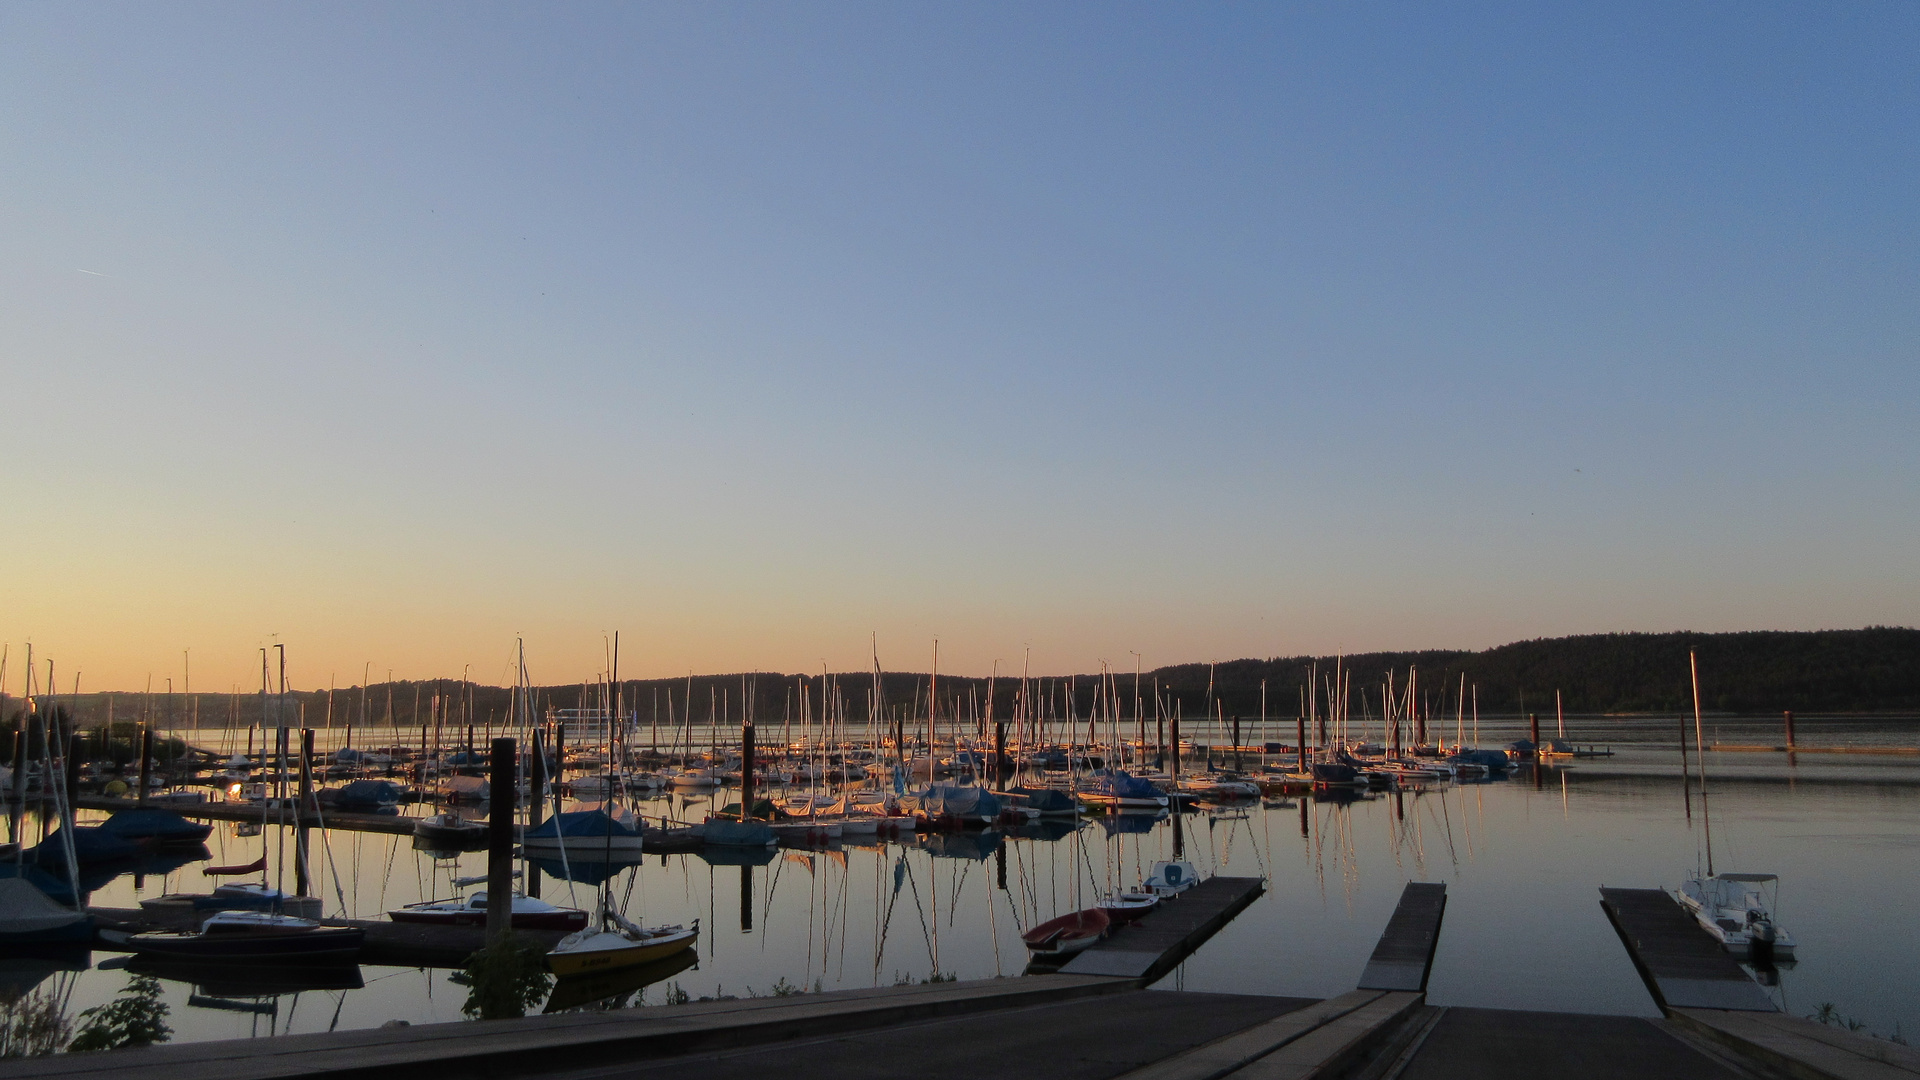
(1170, 877)
(1734, 909)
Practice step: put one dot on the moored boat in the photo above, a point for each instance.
(1070, 933)
(529, 913)
(618, 943)
(1127, 906)
(255, 937)
(1734, 909)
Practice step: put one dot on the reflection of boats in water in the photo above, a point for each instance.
(582, 872)
(1131, 823)
(578, 990)
(1052, 829)
(23, 969)
(975, 846)
(252, 980)
(722, 855)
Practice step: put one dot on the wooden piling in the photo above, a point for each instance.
(500, 843)
(1789, 717)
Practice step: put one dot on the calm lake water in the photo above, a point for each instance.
(1523, 859)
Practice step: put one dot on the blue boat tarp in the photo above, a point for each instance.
(165, 826)
(1045, 800)
(584, 823)
(952, 800)
(1121, 784)
(368, 796)
(1491, 760)
(59, 888)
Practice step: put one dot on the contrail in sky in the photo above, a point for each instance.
(95, 273)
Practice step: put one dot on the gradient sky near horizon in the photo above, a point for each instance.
(395, 331)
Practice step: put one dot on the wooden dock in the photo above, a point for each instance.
(387, 943)
(1682, 965)
(1153, 945)
(1404, 955)
(392, 824)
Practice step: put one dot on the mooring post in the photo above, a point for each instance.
(500, 843)
(1236, 744)
(1533, 722)
(1789, 716)
(746, 774)
(146, 761)
(537, 802)
(1174, 727)
(1300, 740)
(300, 815)
(999, 750)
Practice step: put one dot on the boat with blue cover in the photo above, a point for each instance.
(585, 832)
(1117, 790)
(165, 828)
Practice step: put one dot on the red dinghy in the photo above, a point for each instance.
(1067, 934)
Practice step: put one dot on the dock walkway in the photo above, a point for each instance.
(1156, 943)
(1681, 964)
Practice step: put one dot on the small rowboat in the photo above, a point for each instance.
(1068, 934)
(1126, 906)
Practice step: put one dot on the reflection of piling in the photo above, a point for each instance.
(746, 898)
(1179, 839)
(1000, 865)
(1303, 817)
(146, 761)
(500, 842)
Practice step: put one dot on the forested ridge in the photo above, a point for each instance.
(1876, 669)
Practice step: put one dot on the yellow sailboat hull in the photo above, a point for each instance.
(592, 961)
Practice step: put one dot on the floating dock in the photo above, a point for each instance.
(387, 943)
(1682, 965)
(393, 824)
(1097, 1027)
(1154, 944)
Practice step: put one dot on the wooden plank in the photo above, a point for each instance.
(1801, 1048)
(1681, 964)
(1403, 957)
(1222, 1056)
(507, 1048)
(1149, 947)
(1330, 1049)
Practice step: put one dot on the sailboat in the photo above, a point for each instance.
(1733, 908)
(617, 943)
(586, 830)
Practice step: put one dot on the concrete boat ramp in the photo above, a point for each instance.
(1080, 1026)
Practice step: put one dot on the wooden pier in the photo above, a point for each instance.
(1682, 965)
(1404, 955)
(387, 943)
(1153, 945)
(1090, 1027)
(392, 824)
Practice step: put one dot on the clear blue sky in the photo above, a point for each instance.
(396, 330)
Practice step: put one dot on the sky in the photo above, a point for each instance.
(1059, 333)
